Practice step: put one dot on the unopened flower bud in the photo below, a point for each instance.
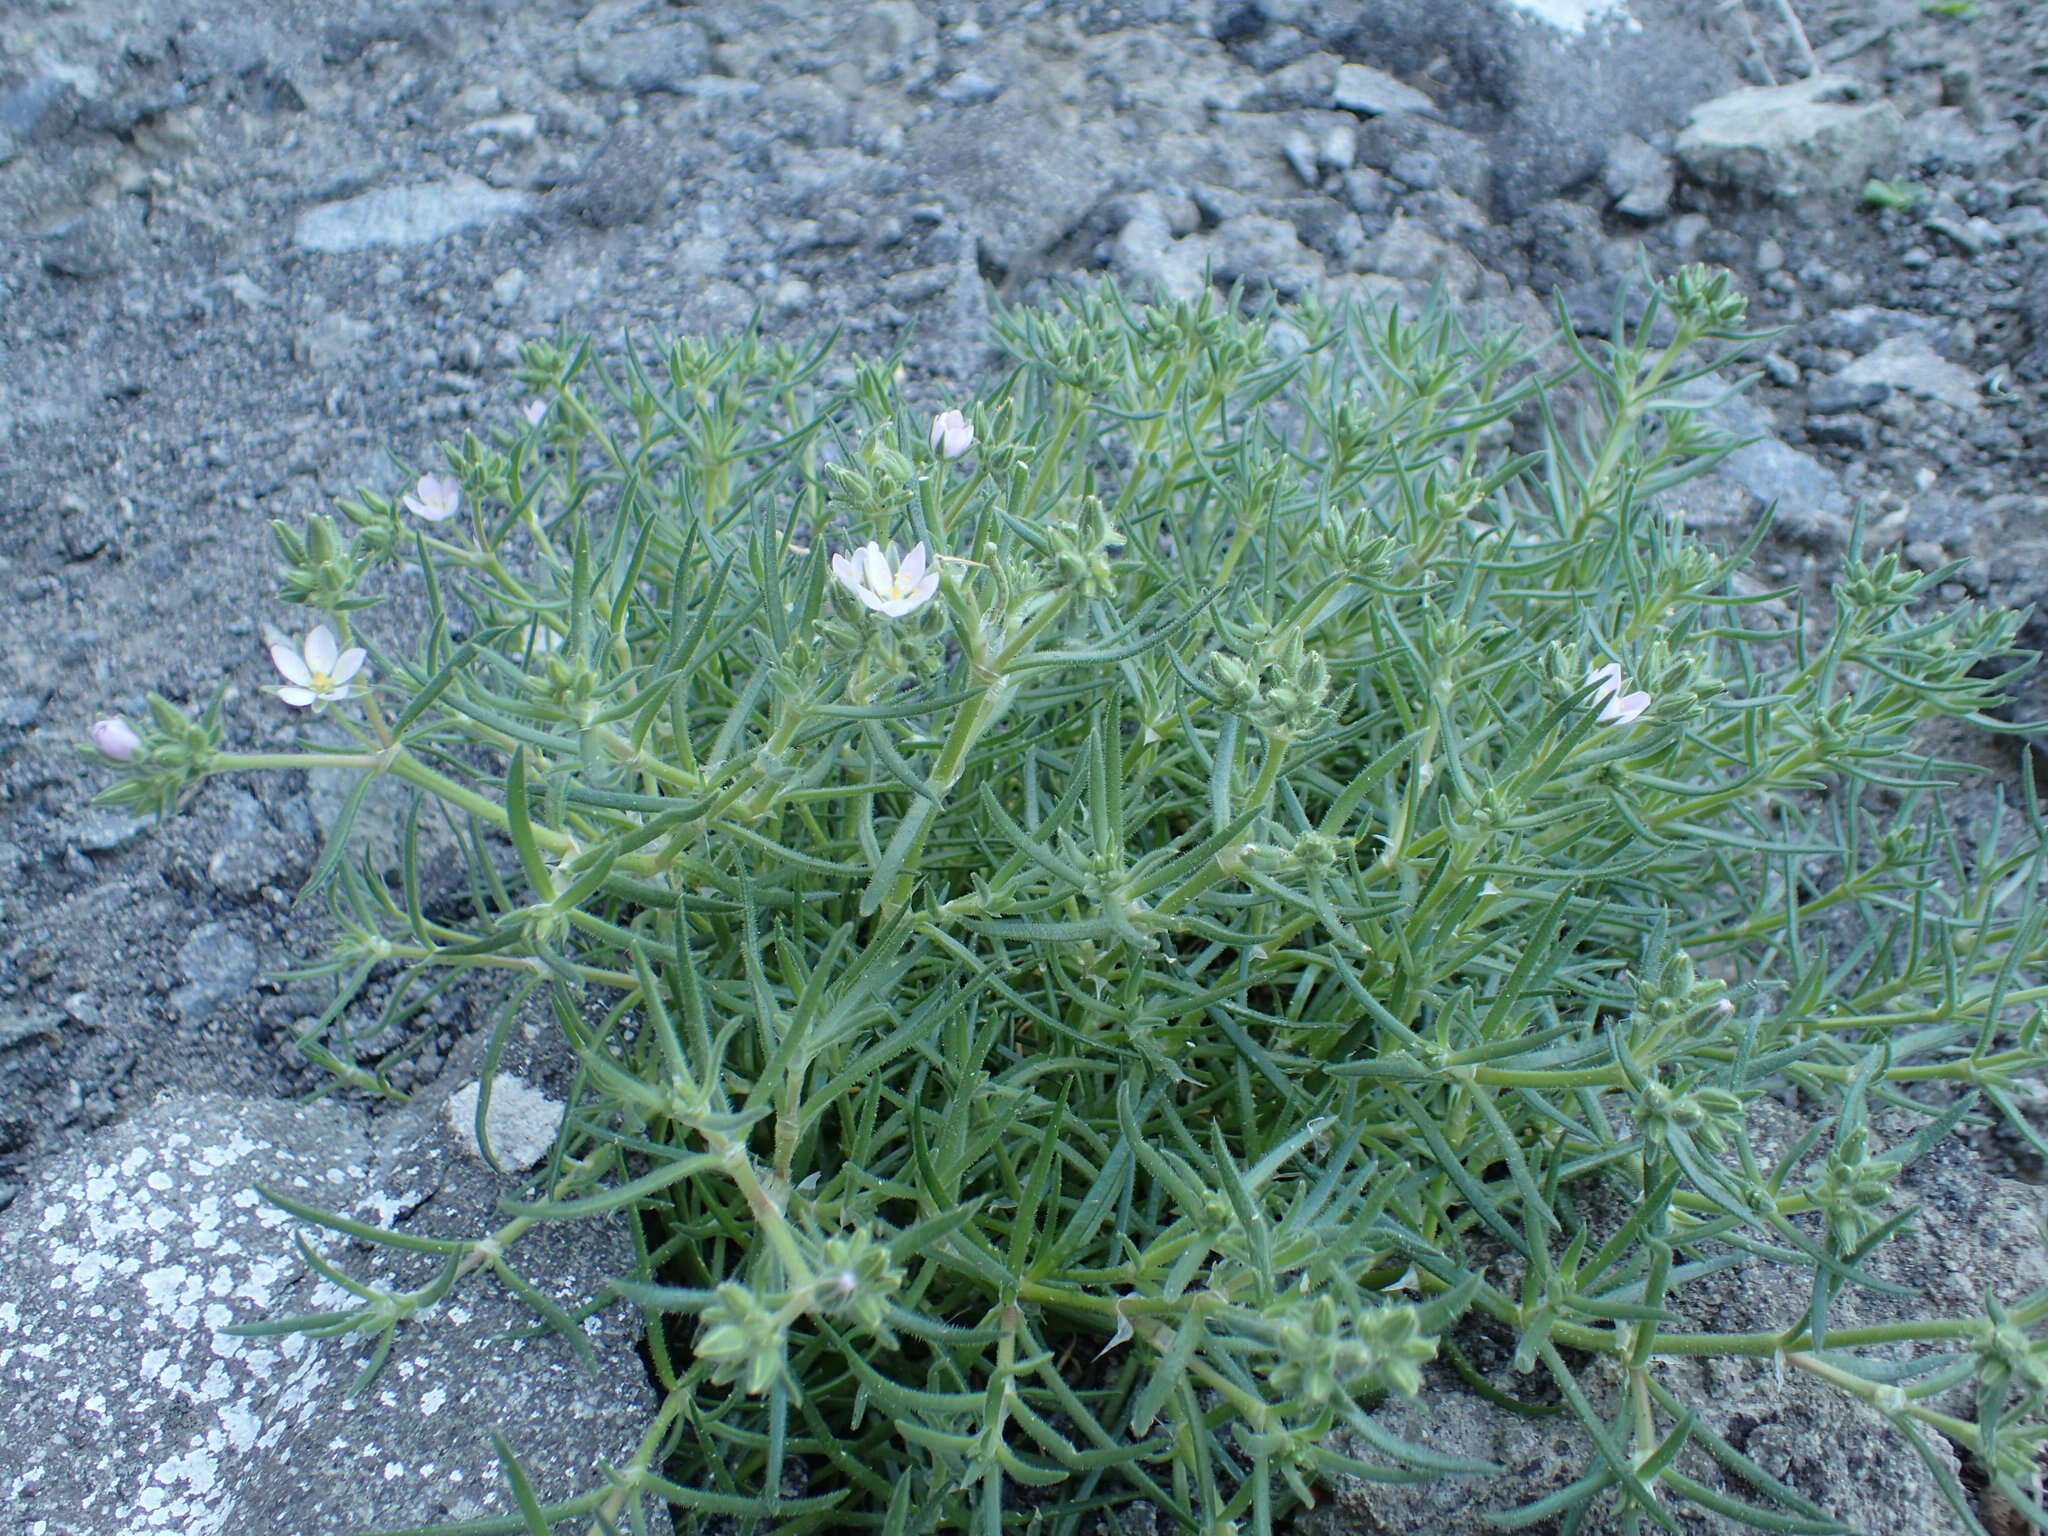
(116, 739)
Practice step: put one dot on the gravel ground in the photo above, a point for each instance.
(248, 250)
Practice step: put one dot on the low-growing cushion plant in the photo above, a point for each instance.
(1095, 930)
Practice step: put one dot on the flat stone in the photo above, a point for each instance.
(1832, 396)
(219, 965)
(520, 1124)
(102, 829)
(1785, 142)
(1021, 172)
(1843, 431)
(1374, 93)
(21, 1026)
(1910, 364)
(969, 88)
(1808, 504)
(127, 1410)
(331, 341)
(417, 214)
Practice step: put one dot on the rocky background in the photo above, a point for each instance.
(248, 246)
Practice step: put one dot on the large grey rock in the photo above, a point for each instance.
(1021, 171)
(1785, 142)
(125, 1408)
(1547, 83)
(418, 214)
(630, 178)
(630, 45)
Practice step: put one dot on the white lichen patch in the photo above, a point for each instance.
(125, 1405)
(144, 1425)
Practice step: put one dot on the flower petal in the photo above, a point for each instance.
(348, 664)
(298, 698)
(911, 572)
(843, 568)
(874, 566)
(1605, 680)
(290, 664)
(873, 600)
(321, 649)
(925, 589)
(1628, 707)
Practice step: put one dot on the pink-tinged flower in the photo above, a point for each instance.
(952, 434)
(435, 498)
(1616, 707)
(318, 675)
(535, 412)
(116, 739)
(867, 574)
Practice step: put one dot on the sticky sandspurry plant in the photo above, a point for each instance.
(1103, 933)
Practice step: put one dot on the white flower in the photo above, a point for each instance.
(317, 676)
(867, 575)
(1616, 707)
(116, 738)
(435, 498)
(535, 412)
(952, 434)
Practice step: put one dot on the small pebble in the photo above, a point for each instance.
(1300, 151)
(1781, 370)
(1417, 169)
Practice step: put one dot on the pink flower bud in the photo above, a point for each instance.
(116, 739)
